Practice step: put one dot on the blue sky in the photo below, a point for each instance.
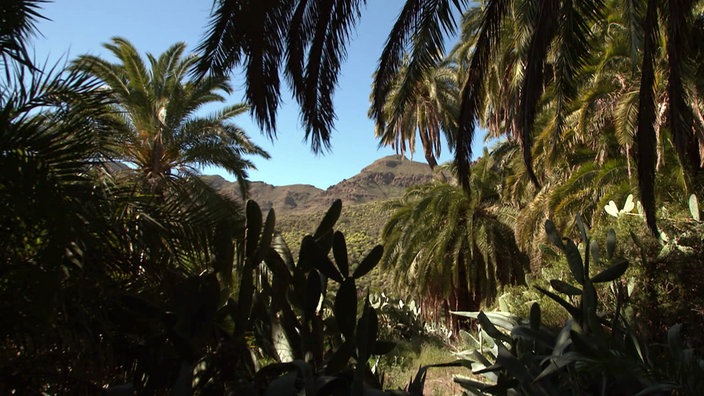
(82, 26)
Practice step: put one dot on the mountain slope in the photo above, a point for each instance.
(300, 207)
(384, 179)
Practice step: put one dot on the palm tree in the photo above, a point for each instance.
(447, 245)
(556, 39)
(499, 112)
(18, 24)
(87, 261)
(63, 252)
(430, 112)
(160, 134)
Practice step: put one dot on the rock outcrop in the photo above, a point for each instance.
(385, 178)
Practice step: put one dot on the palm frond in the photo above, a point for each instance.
(645, 135)
(544, 31)
(421, 25)
(573, 39)
(680, 113)
(334, 22)
(632, 16)
(472, 89)
(18, 25)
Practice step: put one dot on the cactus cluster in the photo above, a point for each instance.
(317, 340)
(597, 351)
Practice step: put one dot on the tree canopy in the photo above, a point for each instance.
(555, 40)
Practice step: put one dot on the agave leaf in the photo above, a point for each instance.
(481, 359)
(633, 345)
(339, 251)
(552, 234)
(557, 363)
(502, 319)
(610, 243)
(576, 313)
(515, 367)
(541, 337)
(474, 387)
(489, 369)
(582, 345)
(369, 262)
(565, 288)
(658, 389)
(503, 386)
(455, 363)
(340, 358)
(674, 342)
(694, 207)
(281, 247)
(490, 329)
(611, 273)
(562, 341)
(281, 343)
(574, 260)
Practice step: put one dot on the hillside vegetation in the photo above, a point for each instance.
(565, 260)
(365, 198)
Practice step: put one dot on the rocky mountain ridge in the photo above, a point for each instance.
(385, 178)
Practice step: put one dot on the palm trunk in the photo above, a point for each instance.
(463, 299)
(428, 149)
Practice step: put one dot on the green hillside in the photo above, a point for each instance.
(361, 224)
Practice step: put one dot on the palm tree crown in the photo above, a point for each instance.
(428, 109)
(158, 131)
(446, 244)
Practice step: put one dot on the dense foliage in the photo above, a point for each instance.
(529, 66)
(122, 271)
(601, 349)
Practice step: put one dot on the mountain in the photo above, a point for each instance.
(365, 197)
(384, 179)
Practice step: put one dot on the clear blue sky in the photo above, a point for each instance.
(82, 26)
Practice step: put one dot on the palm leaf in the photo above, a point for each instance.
(645, 135)
(472, 89)
(18, 24)
(680, 113)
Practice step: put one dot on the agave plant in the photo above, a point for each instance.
(594, 353)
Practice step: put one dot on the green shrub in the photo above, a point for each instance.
(596, 351)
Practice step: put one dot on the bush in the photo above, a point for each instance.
(595, 352)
